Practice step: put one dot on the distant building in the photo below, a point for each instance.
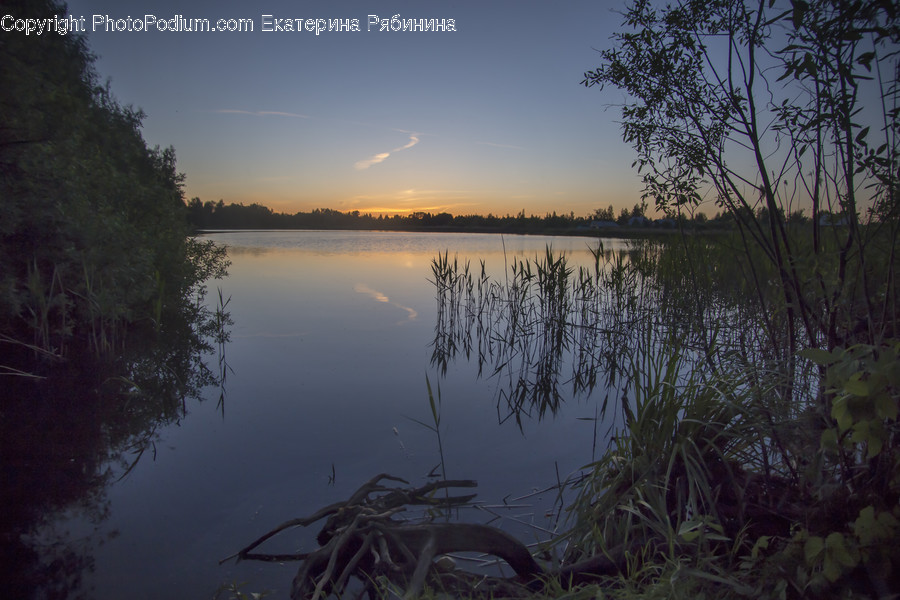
(603, 224)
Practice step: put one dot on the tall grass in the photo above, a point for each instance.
(741, 446)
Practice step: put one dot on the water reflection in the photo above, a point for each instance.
(65, 437)
(550, 329)
(322, 376)
(511, 328)
(362, 288)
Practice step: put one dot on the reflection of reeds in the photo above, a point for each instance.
(519, 328)
(550, 331)
(222, 322)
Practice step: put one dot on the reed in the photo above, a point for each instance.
(435, 425)
(731, 444)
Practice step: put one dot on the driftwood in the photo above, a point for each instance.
(361, 539)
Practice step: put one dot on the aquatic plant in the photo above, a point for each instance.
(724, 456)
(435, 425)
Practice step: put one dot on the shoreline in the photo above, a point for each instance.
(620, 233)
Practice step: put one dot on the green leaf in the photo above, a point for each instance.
(690, 530)
(841, 414)
(761, 544)
(818, 356)
(856, 386)
(865, 527)
(837, 548)
(813, 549)
(831, 569)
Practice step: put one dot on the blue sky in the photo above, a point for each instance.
(489, 118)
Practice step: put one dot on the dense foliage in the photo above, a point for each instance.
(94, 240)
(760, 451)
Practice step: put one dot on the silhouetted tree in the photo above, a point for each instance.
(765, 104)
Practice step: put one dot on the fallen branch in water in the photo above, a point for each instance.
(362, 539)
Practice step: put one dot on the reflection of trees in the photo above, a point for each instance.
(66, 437)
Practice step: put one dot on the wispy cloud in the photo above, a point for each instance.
(261, 113)
(413, 140)
(374, 160)
(382, 156)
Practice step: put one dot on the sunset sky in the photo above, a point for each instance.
(487, 119)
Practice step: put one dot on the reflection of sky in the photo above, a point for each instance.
(321, 374)
(379, 297)
(490, 118)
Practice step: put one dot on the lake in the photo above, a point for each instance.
(326, 378)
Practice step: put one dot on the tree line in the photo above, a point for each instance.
(218, 215)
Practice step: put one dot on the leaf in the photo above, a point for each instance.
(876, 440)
(818, 356)
(813, 549)
(865, 59)
(838, 550)
(434, 411)
(800, 9)
(841, 414)
(866, 527)
(856, 386)
(809, 65)
(831, 569)
(761, 544)
(690, 530)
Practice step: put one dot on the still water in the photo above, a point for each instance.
(326, 374)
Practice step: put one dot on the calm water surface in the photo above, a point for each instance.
(328, 360)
